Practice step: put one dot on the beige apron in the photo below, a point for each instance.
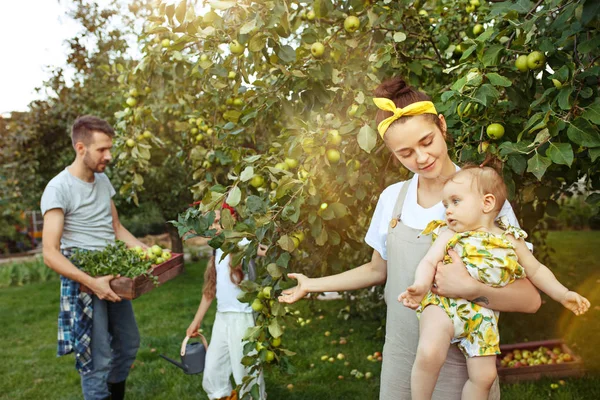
(405, 250)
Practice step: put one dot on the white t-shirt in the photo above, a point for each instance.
(413, 215)
(228, 291)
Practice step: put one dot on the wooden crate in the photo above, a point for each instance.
(132, 288)
(574, 368)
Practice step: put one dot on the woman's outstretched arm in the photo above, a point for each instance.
(372, 273)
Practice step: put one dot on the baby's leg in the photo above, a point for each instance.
(435, 333)
(482, 374)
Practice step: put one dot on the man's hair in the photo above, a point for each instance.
(487, 181)
(84, 127)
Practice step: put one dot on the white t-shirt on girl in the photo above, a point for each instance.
(413, 215)
(228, 291)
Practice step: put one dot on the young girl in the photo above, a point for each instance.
(492, 252)
(225, 351)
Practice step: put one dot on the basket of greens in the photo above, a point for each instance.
(139, 270)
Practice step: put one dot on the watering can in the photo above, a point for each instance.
(192, 356)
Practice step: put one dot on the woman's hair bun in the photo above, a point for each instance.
(392, 88)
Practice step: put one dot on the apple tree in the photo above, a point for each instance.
(267, 106)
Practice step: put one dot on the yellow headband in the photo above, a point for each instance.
(418, 108)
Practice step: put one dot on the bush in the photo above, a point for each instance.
(24, 272)
(574, 214)
(144, 220)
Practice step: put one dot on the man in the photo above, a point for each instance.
(79, 213)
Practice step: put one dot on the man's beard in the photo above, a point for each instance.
(95, 167)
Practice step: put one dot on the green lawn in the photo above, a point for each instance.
(31, 370)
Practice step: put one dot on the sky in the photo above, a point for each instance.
(33, 33)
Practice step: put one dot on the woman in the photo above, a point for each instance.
(416, 135)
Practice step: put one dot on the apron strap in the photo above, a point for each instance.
(401, 197)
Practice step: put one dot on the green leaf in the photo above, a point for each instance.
(257, 43)
(592, 113)
(252, 333)
(367, 138)
(287, 54)
(399, 37)
(468, 52)
(517, 163)
(591, 10)
(580, 131)
(538, 165)
(181, 10)
(234, 197)
(486, 94)
(593, 198)
(222, 5)
(498, 80)
(491, 56)
(247, 174)
(286, 243)
(274, 270)
(589, 45)
(227, 220)
(563, 98)
(248, 27)
(560, 153)
(274, 328)
(339, 210)
(594, 153)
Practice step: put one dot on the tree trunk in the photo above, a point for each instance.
(176, 242)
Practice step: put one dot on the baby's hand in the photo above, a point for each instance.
(575, 302)
(413, 295)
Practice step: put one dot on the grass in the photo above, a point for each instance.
(31, 370)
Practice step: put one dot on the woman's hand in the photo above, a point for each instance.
(453, 280)
(192, 330)
(296, 293)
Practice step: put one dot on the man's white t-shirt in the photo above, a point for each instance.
(228, 291)
(413, 215)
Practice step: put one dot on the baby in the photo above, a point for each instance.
(495, 254)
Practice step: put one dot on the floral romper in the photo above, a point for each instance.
(490, 258)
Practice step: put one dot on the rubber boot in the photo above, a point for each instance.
(117, 390)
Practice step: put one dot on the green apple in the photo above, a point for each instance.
(165, 43)
(478, 29)
(134, 92)
(160, 260)
(351, 24)
(536, 60)
(210, 131)
(458, 49)
(199, 137)
(340, 356)
(495, 131)
(157, 250)
(475, 3)
(291, 162)
(323, 207)
(257, 305)
(131, 101)
(483, 146)
(130, 142)
(334, 137)
(166, 255)
(267, 292)
(282, 165)
(317, 49)
(521, 63)
(299, 235)
(257, 181)
(203, 57)
(231, 75)
(236, 48)
(238, 102)
(333, 156)
(311, 15)
(147, 134)
(276, 342)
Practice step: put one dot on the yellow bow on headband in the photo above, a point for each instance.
(418, 108)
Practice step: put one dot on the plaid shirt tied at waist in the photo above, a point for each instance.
(75, 322)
